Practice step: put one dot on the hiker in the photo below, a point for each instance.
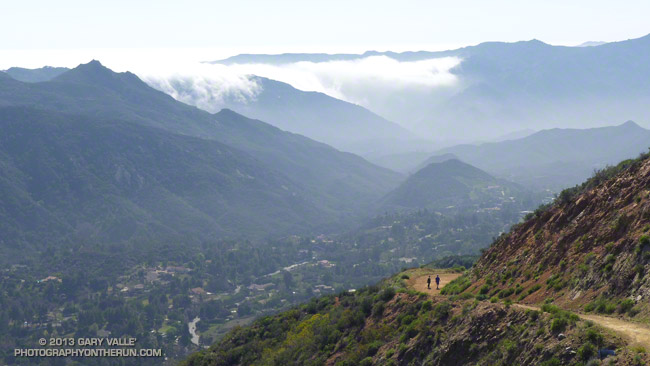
(437, 282)
(429, 283)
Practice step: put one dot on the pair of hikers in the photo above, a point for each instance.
(437, 282)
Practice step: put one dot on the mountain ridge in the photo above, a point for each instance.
(80, 173)
(503, 87)
(340, 183)
(406, 55)
(575, 154)
(45, 73)
(344, 125)
(449, 183)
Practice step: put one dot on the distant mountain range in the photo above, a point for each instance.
(556, 158)
(506, 87)
(46, 73)
(343, 125)
(77, 178)
(450, 183)
(591, 44)
(166, 165)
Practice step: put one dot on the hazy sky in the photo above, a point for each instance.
(84, 28)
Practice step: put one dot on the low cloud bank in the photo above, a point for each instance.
(367, 81)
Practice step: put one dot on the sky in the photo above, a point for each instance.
(68, 32)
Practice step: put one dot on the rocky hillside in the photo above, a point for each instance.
(590, 250)
(391, 324)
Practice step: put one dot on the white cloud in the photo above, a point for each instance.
(205, 86)
(368, 81)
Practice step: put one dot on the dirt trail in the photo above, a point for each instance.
(636, 333)
(420, 283)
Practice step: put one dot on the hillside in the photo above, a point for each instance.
(451, 184)
(587, 252)
(46, 73)
(411, 162)
(340, 184)
(343, 125)
(555, 158)
(590, 251)
(68, 178)
(392, 324)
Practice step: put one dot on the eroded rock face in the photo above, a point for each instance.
(594, 243)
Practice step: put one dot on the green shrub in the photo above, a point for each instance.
(407, 319)
(550, 308)
(644, 241)
(556, 282)
(457, 286)
(366, 362)
(552, 362)
(638, 360)
(442, 310)
(558, 325)
(535, 287)
(427, 305)
(378, 309)
(506, 292)
(586, 352)
(625, 305)
(594, 336)
(509, 346)
(373, 347)
(388, 294)
(366, 305)
(405, 277)
(639, 269)
(601, 305)
(621, 223)
(484, 289)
